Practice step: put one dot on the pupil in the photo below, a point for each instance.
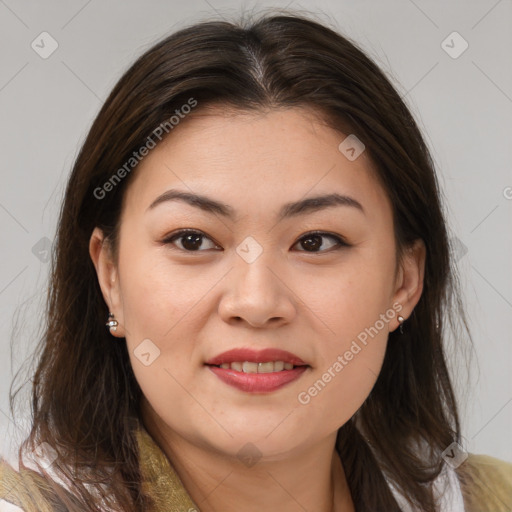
(195, 238)
(317, 242)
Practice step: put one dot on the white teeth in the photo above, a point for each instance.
(266, 367)
(250, 367)
(278, 366)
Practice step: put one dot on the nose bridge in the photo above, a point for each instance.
(254, 292)
(254, 270)
(257, 272)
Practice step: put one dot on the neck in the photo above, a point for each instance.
(308, 479)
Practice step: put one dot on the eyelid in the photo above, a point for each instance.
(340, 240)
(187, 231)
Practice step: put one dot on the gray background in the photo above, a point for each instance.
(463, 105)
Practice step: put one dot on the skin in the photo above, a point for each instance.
(197, 304)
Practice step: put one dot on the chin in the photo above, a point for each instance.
(271, 438)
(249, 449)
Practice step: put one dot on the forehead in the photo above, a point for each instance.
(255, 159)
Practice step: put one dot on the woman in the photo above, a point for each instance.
(255, 217)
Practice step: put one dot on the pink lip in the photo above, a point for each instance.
(257, 382)
(256, 356)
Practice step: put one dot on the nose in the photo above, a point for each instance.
(256, 294)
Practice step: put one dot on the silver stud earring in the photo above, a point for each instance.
(401, 319)
(112, 322)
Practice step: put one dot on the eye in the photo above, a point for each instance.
(313, 241)
(191, 240)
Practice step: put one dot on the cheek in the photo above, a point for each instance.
(355, 311)
(165, 307)
(346, 373)
(350, 298)
(158, 295)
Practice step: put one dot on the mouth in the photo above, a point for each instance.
(260, 371)
(253, 367)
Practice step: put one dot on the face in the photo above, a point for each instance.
(259, 268)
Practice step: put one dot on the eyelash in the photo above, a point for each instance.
(182, 232)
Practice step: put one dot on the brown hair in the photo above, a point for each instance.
(85, 399)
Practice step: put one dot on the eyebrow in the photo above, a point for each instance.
(288, 210)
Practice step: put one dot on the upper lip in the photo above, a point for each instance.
(256, 356)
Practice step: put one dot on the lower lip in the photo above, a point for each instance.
(258, 382)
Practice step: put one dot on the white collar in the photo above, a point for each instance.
(446, 490)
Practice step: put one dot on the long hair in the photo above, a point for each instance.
(85, 398)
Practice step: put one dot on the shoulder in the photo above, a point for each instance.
(486, 483)
(25, 490)
(12, 488)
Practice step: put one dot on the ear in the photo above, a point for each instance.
(106, 270)
(409, 282)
